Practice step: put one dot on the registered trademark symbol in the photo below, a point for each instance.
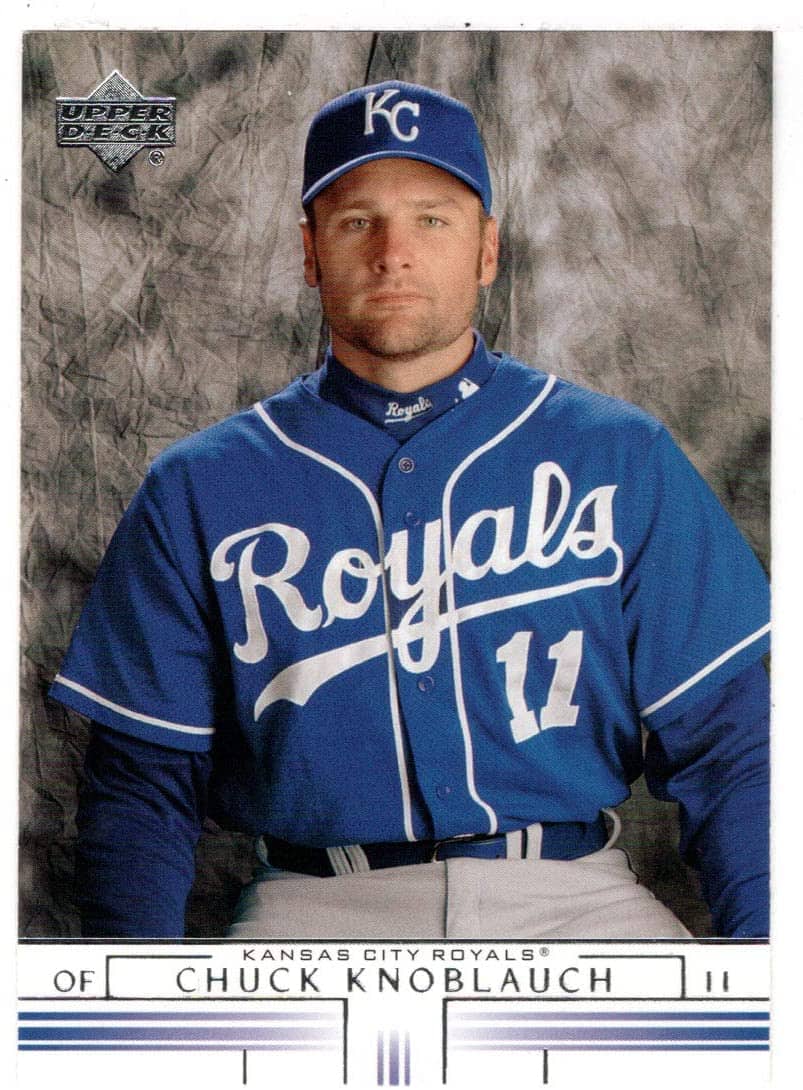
(544, 951)
(156, 157)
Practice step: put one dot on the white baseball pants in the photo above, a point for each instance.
(597, 896)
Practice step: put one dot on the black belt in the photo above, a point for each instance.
(559, 840)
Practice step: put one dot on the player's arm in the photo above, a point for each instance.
(714, 761)
(146, 663)
(139, 819)
(696, 610)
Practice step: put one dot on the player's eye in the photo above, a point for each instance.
(357, 223)
(433, 221)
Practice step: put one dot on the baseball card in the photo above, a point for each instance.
(395, 538)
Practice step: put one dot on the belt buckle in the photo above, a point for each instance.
(469, 838)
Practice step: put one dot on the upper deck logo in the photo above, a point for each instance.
(116, 121)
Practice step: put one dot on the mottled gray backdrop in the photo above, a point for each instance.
(632, 179)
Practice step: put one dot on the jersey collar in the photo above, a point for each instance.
(402, 415)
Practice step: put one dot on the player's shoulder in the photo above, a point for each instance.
(567, 404)
(226, 442)
(210, 445)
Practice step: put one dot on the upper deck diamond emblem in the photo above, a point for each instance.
(116, 121)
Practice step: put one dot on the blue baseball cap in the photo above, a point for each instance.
(394, 120)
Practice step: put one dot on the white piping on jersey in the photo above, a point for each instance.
(706, 670)
(451, 609)
(151, 720)
(395, 712)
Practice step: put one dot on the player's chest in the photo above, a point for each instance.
(319, 561)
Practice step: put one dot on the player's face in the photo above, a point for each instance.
(399, 250)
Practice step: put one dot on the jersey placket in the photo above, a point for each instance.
(425, 670)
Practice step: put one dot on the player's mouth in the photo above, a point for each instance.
(392, 299)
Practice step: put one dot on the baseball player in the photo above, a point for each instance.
(403, 622)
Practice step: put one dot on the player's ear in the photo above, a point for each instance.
(489, 252)
(310, 260)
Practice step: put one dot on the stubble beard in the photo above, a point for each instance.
(399, 340)
(399, 336)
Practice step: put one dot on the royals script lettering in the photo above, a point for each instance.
(554, 529)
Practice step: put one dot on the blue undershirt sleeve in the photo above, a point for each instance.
(139, 819)
(714, 761)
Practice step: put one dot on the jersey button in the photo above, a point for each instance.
(426, 683)
(406, 465)
(412, 519)
(444, 791)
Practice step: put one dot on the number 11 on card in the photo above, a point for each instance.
(558, 711)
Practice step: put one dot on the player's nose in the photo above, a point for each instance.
(392, 248)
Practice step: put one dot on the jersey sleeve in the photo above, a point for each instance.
(714, 761)
(695, 598)
(143, 656)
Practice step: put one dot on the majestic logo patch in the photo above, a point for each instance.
(467, 388)
(116, 122)
(403, 414)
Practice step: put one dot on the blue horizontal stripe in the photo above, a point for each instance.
(601, 1047)
(613, 1033)
(176, 1033)
(178, 1016)
(611, 1016)
(311, 1047)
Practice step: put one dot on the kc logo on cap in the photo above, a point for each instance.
(378, 109)
(394, 120)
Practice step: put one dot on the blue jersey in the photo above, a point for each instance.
(387, 639)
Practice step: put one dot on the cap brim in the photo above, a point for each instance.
(344, 168)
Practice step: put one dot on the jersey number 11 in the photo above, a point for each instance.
(558, 710)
